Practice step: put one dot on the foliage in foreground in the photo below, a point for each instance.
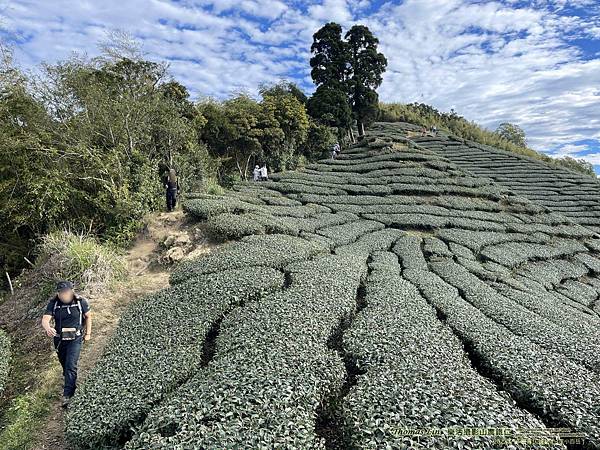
(85, 146)
(157, 346)
(4, 359)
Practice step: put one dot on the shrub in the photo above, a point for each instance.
(212, 187)
(349, 232)
(275, 251)
(234, 226)
(511, 254)
(548, 384)
(158, 345)
(584, 350)
(271, 372)
(369, 243)
(203, 208)
(424, 382)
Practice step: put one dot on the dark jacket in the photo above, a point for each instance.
(170, 185)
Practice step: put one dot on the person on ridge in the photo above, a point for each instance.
(256, 173)
(172, 187)
(72, 326)
(263, 173)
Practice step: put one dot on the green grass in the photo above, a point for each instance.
(79, 258)
(212, 187)
(28, 410)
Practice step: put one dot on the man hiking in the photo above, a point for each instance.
(72, 326)
(172, 187)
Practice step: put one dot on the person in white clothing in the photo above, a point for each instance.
(256, 173)
(263, 173)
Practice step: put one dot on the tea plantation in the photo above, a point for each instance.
(575, 195)
(360, 298)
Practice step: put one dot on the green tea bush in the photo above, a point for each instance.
(546, 305)
(271, 371)
(289, 187)
(372, 242)
(203, 208)
(275, 251)
(158, 345)
(236, 226)
(584, 350)
(550, 384)
(424, 380)
(511, 254)
(349, 232)
(325, 220)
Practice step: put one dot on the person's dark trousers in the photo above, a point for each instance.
(171, 199)
(68, 355)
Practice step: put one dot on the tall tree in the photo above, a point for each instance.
(350, 68)
(367, 67)
(330, 61)
(330, 72)
(512, 133)
(330, 106)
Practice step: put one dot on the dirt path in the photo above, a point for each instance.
(145, 276)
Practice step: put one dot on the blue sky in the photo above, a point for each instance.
(534, 63)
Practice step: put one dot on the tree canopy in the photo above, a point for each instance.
(85, 144)
(512, 133)
(347, 73)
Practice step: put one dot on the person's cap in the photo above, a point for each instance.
(64, 286)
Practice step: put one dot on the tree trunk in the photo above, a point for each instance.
(361, 128)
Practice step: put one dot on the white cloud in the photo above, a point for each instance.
(572, 150)
(492, 61)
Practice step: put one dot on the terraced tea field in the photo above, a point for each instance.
(575, 195)
(384, 290)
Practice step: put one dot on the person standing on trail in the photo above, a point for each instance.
(172, 187)
(72, 326)
(335, 150)
(256, 173)
(263, 173)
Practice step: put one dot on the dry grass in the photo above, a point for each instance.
(81, 259)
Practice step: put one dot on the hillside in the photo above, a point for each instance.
(384, 290)
(563, 191)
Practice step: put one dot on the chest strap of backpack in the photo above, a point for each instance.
(77, 304)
